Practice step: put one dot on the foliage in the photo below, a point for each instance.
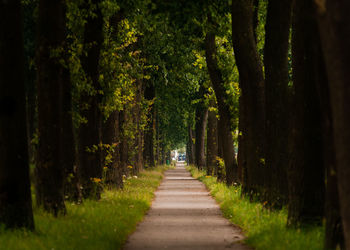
(264, 229)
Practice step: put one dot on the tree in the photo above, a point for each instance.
(111, 137)
(306, 170)
(212, 138)
(50, 80)
(224, 126)
(277, 28)
(190, 146)
(89, 133)
(148, 153)
(201, 125)
(252, 99)
(334, 22)
(15, 196)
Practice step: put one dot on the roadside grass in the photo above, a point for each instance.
(103, 224)
(263, 229)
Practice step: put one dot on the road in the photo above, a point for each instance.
(183, 215)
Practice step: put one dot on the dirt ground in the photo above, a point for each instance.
(184, 216)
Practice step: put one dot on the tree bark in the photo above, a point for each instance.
(15, 196)
(334, 238)
(277, 28)
(89, 134)
(124, 147)
(191, 153)
(148, 153)
(201, 125)
(306, 171)
(251, 82)
(255, 19)
(71, 183)
(334, 27)
(224, 109)
(29, 32)
(139, 132)
(212, 142)
(241, 157)
(50, 77)
(111, 136)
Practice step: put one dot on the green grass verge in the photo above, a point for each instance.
(263, 229)
(92, 225)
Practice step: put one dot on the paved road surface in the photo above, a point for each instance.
(184, 216)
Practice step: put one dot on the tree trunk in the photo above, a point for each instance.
(71, 183)
(123, 149)
(212, 142)
(139, 133)
(224, 126)
(111, 136)
(201, 125)
(148, 153)
(241, 157)
(276, 95)
(256, 19)
(252, 93)
(29, 28)
(157, 140)
(15, 196)
(72, 189)
(306, 171)
(191, 153)
(50, 77)
(334, 22)
(334, 238)
(89, 134)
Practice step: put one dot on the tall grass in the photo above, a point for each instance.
(264, 229)
(103, 224)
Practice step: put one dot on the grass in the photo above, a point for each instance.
(92, 225)
(263, 229)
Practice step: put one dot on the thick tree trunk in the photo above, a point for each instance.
(124, 147)
(252, 94)
(111, 136)
(334, 238)
(224, 126)
(306, 171)
(255, 19)
(212, 142)
(29, 32)
(139, 133)
(201, 125)
(334, 22)
(157, 140)
(277, 28)
(241, 157)
(50, 76)
(89, 134)
(191, 153)
(72, 189)
(15, 196)
(148, 153)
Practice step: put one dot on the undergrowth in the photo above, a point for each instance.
(103, 224)
(263, 229)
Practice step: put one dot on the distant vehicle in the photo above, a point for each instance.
(181, 157)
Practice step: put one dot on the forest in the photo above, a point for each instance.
(93, 92)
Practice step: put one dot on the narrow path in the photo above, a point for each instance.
(184, 216)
